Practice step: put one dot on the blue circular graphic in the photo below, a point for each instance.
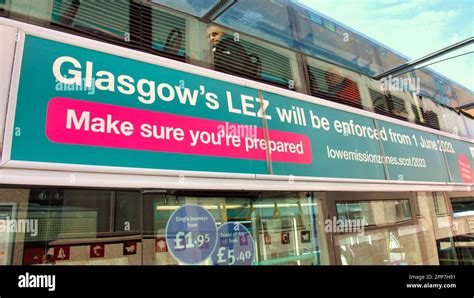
(191, 234)
(234, 245)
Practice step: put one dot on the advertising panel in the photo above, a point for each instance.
(79, 106)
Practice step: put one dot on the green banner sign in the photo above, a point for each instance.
(85, 107)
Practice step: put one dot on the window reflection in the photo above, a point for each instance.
(237, 55)
(83, 227)
(320, 37)
(168, 33)
(463, 206)
(375, 213)
(335, 85)
(382, 247)
(268, 19)
(94, 17)
(283, 226)
(196, 8)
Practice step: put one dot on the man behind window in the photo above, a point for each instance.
(229, 54)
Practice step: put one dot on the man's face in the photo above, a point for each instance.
(214, 35)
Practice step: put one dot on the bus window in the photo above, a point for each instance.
(432, 119)
(99, 19)
(432, 114)
(444, 93)
(284, 226)
(456, 250)
(414, 110)
(127, 217)
(80, 227)
(334, 84)
(318, 36)
(427, 84)
(288, 230)
(196, 8)
(374, 213)
(390, 60)
(399, 110)
(379, 232)
(380, 102)
(469, 122)
(267, 19)
(269, 66)
(463, 206)
(453, 123)
(168, 33)
(241, 56)
(463, 95)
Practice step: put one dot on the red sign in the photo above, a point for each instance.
(130, 248)
(33, 256)
(465, 169)
(61, 253)
(97, 250)
(160, 245)
(284, 146)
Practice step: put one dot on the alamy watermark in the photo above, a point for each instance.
(28, 280)
(77, 85)
(336, 225)
(27, 226)
(238, 130)
(400, 84)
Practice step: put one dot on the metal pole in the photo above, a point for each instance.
(410, 65)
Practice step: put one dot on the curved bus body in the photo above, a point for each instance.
(103, 143)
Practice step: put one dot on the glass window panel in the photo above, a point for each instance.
(94, 206)
(98, 18)
(380, 102)
(444, 93)
(398, 246)
(65, 214)
(127, 211)
(456, 250)
(469, 120)
(427, 84)
(399, 109)
(462, 95)
(463, 206)
(196, 8)
(373, 213)
(315, 18)
(273, 67)
(432, 113)
(251, 59)
(287, 234)
(389, 59)
(334, 85)
(329, 25)
(76, 227)
(452, 121)
(460, 127)
(267, 19)
(168, 33)
(283, 225)
(320, 37)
